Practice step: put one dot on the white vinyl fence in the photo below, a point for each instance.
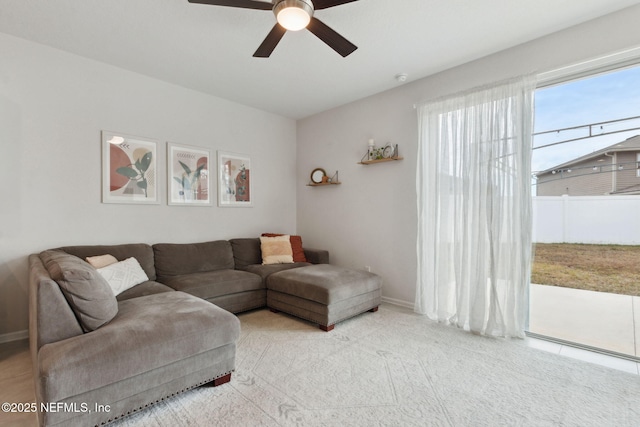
(587, 219)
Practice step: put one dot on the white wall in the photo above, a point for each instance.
(588, 219)
(371, 218)
(52, 108)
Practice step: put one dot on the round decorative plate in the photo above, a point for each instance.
(387, 152)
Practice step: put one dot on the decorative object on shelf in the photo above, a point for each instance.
(371, 150)
(382, 154)
(188, 177)
(234, 180)
(387, 152)
(129, 169)
(319, 177)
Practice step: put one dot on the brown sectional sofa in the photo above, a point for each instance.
(165, 338)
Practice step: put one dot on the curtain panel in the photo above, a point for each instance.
(474, 208)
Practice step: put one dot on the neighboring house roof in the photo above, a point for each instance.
(630, 144)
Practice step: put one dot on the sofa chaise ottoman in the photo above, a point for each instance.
(324, 293)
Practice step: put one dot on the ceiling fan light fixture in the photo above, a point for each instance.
(294, 15)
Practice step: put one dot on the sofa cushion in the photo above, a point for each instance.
(88, 294)
(276, 250)
(143, 289)
(175, 259)
(246, 251)
(123, 275)
(211, 284)
(148, 333)
(265, 271)
(140, 251)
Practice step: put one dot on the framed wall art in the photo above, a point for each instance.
(234, 180)
(129, 169)
(188, 175)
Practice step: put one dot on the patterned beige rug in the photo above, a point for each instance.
(397, 369)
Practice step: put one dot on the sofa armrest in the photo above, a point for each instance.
(50, 316)
(317, 256)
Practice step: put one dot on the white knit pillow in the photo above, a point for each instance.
(123, 275)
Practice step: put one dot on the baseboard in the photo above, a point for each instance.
(14, 336)
(401, 303)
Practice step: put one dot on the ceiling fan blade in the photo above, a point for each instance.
(270, 42)
(335, 41)
(323, 4)
(245, 4)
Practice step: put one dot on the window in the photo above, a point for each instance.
(588, 135)
(586, 147)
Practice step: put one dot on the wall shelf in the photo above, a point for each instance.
(388, 159)
(322, 184)
(319, 178)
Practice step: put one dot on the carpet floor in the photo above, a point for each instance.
(397, 369)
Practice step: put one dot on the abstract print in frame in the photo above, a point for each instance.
(188, 175)
(234, 180)
(129, 169)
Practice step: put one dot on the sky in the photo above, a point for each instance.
(604, 97)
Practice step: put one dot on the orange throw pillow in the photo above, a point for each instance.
(296, 246)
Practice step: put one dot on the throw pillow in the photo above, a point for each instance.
(101, 260)
(123, 275)
(276, 250)
(88, 294)
(296, 246)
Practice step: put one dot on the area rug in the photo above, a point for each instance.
(397, 369)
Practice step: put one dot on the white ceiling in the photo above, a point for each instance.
(210, 48)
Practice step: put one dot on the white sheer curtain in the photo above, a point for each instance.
(474, 208)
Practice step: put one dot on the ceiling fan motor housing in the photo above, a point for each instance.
(294, 15)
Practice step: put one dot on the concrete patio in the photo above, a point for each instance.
(595, 319)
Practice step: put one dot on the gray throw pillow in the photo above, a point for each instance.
(87, 292)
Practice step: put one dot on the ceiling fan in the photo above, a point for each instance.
(292, 15)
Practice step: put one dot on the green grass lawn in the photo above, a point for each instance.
(603, 268)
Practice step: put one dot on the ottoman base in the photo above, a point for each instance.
(323, 294)
(330, 327)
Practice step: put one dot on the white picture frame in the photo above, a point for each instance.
(234, 180)
(129, 169)
(188, 175)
